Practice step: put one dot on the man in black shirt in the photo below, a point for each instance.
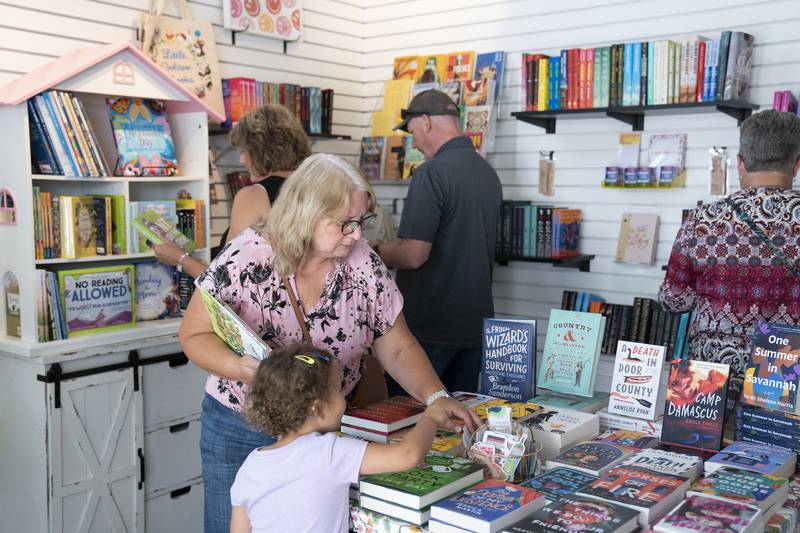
(445, 255)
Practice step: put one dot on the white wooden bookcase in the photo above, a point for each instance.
(98, 433)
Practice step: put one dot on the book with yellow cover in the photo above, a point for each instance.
(382, 123)
(460, 66)
(78, 230)
(234, 331)
(396, 95)
(405, 68)
(432, 68)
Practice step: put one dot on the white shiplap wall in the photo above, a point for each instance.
(330, 55)
(585, 146)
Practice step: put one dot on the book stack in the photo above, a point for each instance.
(378, 422)
(527, 230)
(63, 141)
(784, 101)
(557, 429)
(695, 69)
(612, 421)
(366, 520)
(753, 457)
(311, 105)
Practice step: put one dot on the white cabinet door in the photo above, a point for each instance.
(95, 442)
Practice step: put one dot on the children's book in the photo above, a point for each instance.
(571, 350)
(156, 291)
(666, 462)
(591, 457)
(460, 66)
(772, 376)
(701, 514)
(437, 477)
(152, 225)
(167, 209)
(368, 521)
(78, 233)
(98, 299)
(638, 235)
(432, 68)
(768, 460)
(491, 66)
(509, 349)
(478, 92)
(453, 90)
(576, 514)
(405, 68)
(486, 507)
(694, 412)
(560, 481)
(386, 416)
(742, 486)
(636, 382)
(650, 493)
(232, 329)
(371, 160)
(143, 137)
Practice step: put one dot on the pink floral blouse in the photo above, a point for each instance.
(359, 303)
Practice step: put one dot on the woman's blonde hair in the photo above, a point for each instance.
(319, 188)
(273, 138)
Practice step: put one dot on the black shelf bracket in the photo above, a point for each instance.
(739, 113)
(634, 120)
(547, 123)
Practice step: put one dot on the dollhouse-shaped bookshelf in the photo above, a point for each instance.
(92, 74)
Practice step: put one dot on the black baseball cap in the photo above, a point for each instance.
(430, 102)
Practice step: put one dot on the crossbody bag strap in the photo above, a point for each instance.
(297, 312)
(760, 234)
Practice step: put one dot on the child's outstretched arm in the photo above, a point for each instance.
(239, 521)
(380, 458)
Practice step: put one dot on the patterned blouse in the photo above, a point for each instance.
(359, 303)
(732, 279)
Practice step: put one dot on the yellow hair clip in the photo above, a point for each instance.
(307, 359)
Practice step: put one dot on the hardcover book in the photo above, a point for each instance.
(571, 349)
(742, 486)
(167, 209)
(636, 382)
(98, 299)
(509, 349)
(156, 291)
(590, 457)
(566, 232)
(704, 515)
(386, 416)
(487, 506)
(366, 520)
(233, 330)
(772, 376)
(394, 153)
(559, 482)
(694, 412)
(143, 137)
(78, 232)
(638, 234)
(153, 226)
(768, 460)
(437, 477)
(575, 514)
(666, 462)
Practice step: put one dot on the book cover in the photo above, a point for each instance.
(167, 209)
(628, 438)
(156, 291)
(560, 481)
(491, 503)
(233, 330)
(590, 404)
(740, 59)
(700, 514)
(635, 487)
(509, 349)
(571, 349)
(152, 226)
(666, 462)
(460, 66)
(694, 411)
(477, 120)
(370, 163)
(412, 158)
(405, 67)
(102, 224)
(394, 154)
(478, 92)
(432, 69)
(98, 299)
(578, 515)
(767, 460)
(491, 66)
(638, 234)
(636, 381)
(750, 488)
(143, 137)
(566, 232)
(772, 376)
(386, 416)
(78, 234)
(366, 520)
(591, 457)
(453, 90)
(518, 409)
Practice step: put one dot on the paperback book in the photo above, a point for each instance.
(556, 429)
(234, 331)
(155, 228)
(772, 376)
(666, 462)
(636, 383)
(491, 66)
(701, 514)
(628, 439)
(767, 460)
(368, 521)
(590, 457)
(560, 481)
(599, 400)
(156, 291)
(509, 349)
(742, 486)
(143, 137)
(576, 514)
(417, 517)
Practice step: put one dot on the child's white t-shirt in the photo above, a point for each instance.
(300, 487)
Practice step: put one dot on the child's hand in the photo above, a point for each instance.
(438, 414)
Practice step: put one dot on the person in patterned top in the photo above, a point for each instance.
(736, 261)
(311, 245)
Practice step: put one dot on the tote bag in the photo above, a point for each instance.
(185, 48)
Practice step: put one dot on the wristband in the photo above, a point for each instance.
(441, 393)
(180, 261)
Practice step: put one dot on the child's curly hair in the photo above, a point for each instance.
(286, 386)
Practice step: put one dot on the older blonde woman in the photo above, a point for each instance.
(271, 144)
(310, 250)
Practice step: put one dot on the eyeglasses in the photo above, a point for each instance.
(349, 226)
(312, 356)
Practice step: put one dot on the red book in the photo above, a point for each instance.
(589, 103)
(386, 416)
(582, 79)
(701, 66)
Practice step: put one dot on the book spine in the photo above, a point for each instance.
(636, 74)
(617, 316)
(564, 300)
(534, 95)
(643, 66)
(676, 79)
(69, 132)
(563, 80)
(597, 77)
(644, 322)
(722, 65)
(94, 146)
(627, 76)
(582, 78)
(56, 135)
(590, 77)
(680, 337)
(80, 141)
(620, 82)
(612, 81)
(636, 319)
(548, 232)
(651, 69)
(49, 164)
(700, 72)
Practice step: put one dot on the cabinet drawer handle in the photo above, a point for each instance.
(177, 493)
(179, 427)
(178, 361)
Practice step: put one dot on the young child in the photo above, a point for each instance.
(301, 482)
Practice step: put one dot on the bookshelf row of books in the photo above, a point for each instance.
(311, 105)
(115, 297)
(645, 321)
(70, 227)
(526, 230)
(696, 69)
(391, 158)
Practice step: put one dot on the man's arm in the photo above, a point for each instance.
(405, 254)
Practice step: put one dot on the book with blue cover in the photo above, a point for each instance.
(560, 481)
(591, 457)
(142, 136)
(487, 506)
(772, 376)
(491, 66)
(571, 350)
(769, 460)
(509, 350)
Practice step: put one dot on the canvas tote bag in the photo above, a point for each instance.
(185, 48)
